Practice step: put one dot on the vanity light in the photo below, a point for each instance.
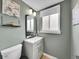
(30, 11)
(34, 13)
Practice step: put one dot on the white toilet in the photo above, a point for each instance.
(12, 52)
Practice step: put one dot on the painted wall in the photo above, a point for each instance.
(75, 36)
(75, 42)
(56, 45)
(60, 45)
(11, 36)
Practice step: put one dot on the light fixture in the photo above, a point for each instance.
(30, 11)
(34, 13)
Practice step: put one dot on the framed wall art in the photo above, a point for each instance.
(11, 8)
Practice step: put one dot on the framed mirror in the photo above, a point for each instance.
(30, 26)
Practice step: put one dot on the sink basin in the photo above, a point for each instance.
(34, 39)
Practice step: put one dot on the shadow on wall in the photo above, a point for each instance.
(0, 56)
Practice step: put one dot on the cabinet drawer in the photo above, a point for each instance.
(38, 43)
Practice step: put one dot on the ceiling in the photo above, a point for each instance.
(41, 4)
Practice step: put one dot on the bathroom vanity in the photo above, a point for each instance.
(34, 47)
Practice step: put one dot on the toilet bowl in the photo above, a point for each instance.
(12, 52)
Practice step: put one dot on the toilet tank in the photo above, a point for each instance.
(34, 47)
(12, 52)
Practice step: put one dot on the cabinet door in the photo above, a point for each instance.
(38, 51)
(35, 53)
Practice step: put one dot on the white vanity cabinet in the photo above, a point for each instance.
(34, 47)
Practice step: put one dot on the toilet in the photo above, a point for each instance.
(12, 52)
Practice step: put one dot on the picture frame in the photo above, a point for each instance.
(10, 16)
(9, 21)
(11, 8)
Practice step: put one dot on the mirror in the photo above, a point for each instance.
(29, 26)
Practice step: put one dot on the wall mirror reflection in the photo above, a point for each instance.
(30, 26)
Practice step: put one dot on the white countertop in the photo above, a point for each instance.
(33, 40)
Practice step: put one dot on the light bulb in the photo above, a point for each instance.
(34, 13)
(30, 11)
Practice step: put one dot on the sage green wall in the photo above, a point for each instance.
(56, 45)
(60, 45)
(11, 36)
(75, 34)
